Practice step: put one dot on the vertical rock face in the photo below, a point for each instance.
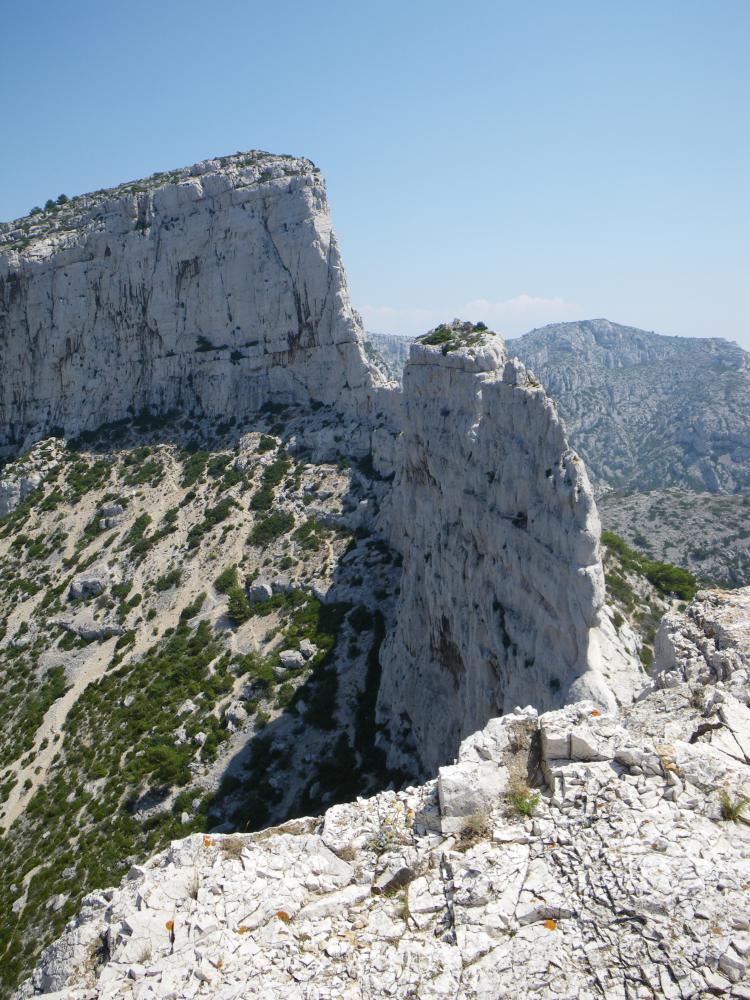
(213, 290)
(218, 288)
(503, 588)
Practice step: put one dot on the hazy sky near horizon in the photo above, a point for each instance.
(517, 163)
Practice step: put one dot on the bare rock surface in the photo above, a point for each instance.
(602, 863)
(214, 289)
(503, 591)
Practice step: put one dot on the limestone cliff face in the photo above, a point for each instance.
(502, 590)
(213, 290)
(218, 288)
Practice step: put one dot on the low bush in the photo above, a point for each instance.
(168, 580)
(268, 529)
(522, 800)
(672, 581)
(192, 609)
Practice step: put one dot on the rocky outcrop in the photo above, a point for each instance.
(572, 854)
(25, 475)
(212, 290)
(502, 589)
(647, 411)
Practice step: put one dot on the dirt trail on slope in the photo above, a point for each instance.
(52, 724)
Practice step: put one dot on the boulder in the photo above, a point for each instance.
(259, 592)
(291, 659)
(471, 787)
(86, 586)
(236, 714)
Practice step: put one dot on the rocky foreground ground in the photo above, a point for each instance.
(574, 854)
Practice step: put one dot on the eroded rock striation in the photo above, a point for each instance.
(569, 854)
(502, 592)
(212, 290)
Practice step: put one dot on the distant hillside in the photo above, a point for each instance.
(708, 534)
(391, 350)
(644, 410)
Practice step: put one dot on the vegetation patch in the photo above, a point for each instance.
(271, 527)
(100, 809)
(672, 581)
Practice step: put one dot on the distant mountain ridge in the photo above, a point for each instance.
(644, 410)
(612, 345)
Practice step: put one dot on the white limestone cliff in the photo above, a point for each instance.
(503, 590)
(219, 288)
(212, 290)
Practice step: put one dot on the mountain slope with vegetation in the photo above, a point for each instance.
(190, 621)
(705, 532)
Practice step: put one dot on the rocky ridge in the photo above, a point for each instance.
(502, 594)
(573, 854)
(209, 291)
(647, 411)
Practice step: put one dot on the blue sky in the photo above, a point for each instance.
(520, 163)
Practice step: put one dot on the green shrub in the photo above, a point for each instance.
(311, 535)
(238, 608)
(226, 580)
(121, 590)
(523, 800)
(732, 808)
(193, 467)
(266, 444)
(137, 530)
(263, 498)
(211, 517)
(440, 335)
(268, 529)
(168, 580)
(192, 609)
(669, 580)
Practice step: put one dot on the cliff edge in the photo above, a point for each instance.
(209, 291)
(502, 595)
